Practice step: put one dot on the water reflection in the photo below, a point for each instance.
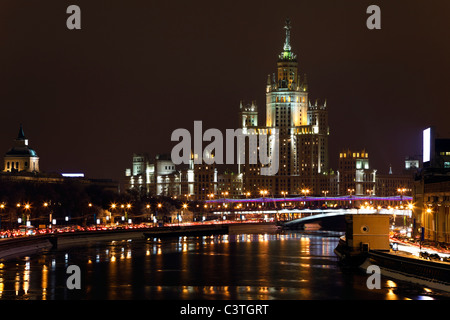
(237, 266)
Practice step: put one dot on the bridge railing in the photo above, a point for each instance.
(311, 199)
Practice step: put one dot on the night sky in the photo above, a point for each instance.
(137, 70)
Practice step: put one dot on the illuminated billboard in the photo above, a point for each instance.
(427, 145)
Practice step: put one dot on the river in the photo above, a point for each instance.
(286, 266)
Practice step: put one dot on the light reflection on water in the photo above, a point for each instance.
(244, 266)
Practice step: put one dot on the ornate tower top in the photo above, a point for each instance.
(287, 44)
(287, 55)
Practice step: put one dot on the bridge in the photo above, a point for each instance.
(334, 219)
(329, 218)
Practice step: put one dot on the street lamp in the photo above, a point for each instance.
(185, 206)
(325, 192)
(2, 207)
(113, 207)
(27, 208)
(264, 193)
(148, 211)
(47, 205)
(401, 191)
(305, 192)
(126, 212)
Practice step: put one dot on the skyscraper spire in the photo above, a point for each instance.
(286, 54)
(287, 41)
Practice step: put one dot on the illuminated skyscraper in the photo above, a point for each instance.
(303, 131)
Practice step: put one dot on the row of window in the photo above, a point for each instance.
(355, 155)
(289, 99)
(15, 165)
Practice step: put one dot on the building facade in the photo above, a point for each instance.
(355, 177)
(199, 181)
(161, 177)
(158, 177)
(431, 191)
(431, 211)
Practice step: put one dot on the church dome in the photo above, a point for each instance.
(21, 151)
